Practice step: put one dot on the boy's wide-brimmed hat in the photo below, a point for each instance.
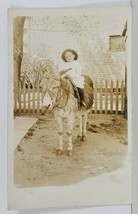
(69, 50)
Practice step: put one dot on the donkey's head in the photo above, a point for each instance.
(50, 89)
(55, 91)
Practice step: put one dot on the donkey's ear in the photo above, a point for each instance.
(62, 79)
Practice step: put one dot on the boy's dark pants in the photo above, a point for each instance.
(81, 93)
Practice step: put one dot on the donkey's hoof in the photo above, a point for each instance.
(83, 138)
(70, 153)
(59, 152)
(79, 138)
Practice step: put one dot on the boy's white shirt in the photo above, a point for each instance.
(75, 73)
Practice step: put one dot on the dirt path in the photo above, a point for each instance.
(36, 162)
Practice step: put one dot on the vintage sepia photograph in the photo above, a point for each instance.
(69, 134)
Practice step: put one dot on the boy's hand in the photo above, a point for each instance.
(64, 71)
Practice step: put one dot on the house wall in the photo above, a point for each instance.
(46, 37)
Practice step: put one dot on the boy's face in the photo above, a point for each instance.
(69, 56)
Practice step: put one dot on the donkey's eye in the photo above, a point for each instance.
(55, 87)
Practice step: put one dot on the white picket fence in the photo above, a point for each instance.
(109, 97)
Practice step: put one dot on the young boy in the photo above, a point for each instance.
(74, 71)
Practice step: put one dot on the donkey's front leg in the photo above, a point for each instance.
(84, 124)
(60, 133)
(70, 123)
(79, 137)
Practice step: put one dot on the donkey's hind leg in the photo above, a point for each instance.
(83, 118)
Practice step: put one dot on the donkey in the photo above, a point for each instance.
(59, 95)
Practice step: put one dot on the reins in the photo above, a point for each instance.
(59, 101)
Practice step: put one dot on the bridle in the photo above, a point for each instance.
(61, 103)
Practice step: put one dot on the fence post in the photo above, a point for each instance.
(15, 103)
(38, 98)
(20, 97)
(117, 97)
(33, 99)
(125, 112)
(122, 97)
(106, 97)
(111, 98)
(101, 93)
(24, 98)
(29, 100)
(95, 97)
